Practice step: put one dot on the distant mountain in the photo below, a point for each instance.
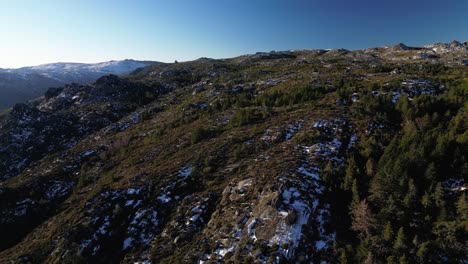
(19, 85)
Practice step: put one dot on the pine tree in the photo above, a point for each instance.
(442, 214)
(400, 241)
(391, 260)
(387, 234)
(369, 259)
(403, 106)
(438, 195)
(431, 172)
(363, 250)
(343, 257)
(462, 208)
(426, 201)
(411, 194)
(370, 167)
(403, 260)
(349, 175)
(363, 221)
(355, 195)
(423, 249)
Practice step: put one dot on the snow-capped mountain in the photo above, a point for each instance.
(18, 85)
(115, 67)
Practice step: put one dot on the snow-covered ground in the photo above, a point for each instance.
(303, 193)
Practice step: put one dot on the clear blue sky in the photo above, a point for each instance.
(43, 31)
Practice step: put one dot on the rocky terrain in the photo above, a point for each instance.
(301, 156)
(26, 83)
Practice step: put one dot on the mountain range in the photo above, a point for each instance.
(19, 85)
(298, 156)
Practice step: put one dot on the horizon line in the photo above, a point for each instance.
(220, 58)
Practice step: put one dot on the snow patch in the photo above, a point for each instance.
(185, 172)
(251, 229)
(164, 198)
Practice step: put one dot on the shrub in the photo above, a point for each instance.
(245, 116)
(200, 134)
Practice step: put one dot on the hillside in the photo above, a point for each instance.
(19, 85)
(301, 156)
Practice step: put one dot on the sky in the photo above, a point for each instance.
(34, 32)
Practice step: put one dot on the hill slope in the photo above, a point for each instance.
(281, 157)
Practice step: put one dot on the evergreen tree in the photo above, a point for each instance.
(363, 251)
(426, 201)
(355, 195)
(438, 195)
(422, 252)
(369, 259)
(363, 221)
(391, 260)
(442, 214)
(400, 241)
(403, 105)
(370, 167)
(462, 208)
(343, 257)
(387, 234)
(350, 175)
